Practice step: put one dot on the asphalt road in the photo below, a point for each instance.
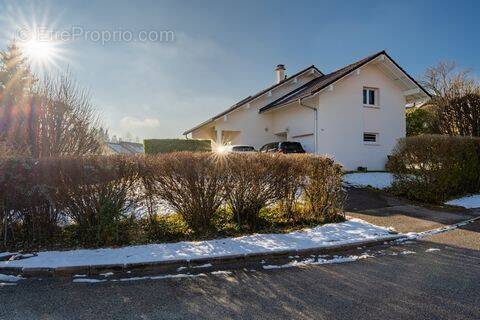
(407, 281)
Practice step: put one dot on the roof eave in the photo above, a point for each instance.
(252, 98)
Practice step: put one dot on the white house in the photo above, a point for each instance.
(355, 114)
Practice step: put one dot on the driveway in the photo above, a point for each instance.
(381, 209)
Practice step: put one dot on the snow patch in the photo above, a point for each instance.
(221, 272)
(351, 231)
(468, 202)
(88, 280)
(206, 265)
(167, 276)
(378, 180)
(419, 235)
(432, 250)
(9, 278)
(5, 255)
(320, 261)
(107, 274)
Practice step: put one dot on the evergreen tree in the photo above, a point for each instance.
(16, 83)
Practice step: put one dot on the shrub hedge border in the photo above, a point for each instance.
(156, 146)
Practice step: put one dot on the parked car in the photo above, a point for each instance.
(239, 148)
(283, 147)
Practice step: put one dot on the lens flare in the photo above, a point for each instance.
(42, 53)
(35, 33)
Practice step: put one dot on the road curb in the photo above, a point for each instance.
(173, 265)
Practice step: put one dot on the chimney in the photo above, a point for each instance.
(280, 72)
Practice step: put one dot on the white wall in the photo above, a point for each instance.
(342, 120)
(256, 129)
(298, 122)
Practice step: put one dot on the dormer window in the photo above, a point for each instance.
(370, 97)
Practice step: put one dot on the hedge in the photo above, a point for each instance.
(118, 200)
(155, 146)
(434, 168)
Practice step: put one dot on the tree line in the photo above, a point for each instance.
(454, 108)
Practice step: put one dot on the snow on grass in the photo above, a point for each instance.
(9, 278)
(468, 202)
(378, 180)
(351, 231)
(5, 255)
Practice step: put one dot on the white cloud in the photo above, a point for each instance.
(131, 123)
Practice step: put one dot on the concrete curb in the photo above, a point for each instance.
(173, 265)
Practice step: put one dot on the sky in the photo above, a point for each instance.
(214, 53)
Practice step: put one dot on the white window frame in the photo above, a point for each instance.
(376, 142)
(376, 97)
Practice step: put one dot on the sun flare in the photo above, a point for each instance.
(43, 54)
(39, 51)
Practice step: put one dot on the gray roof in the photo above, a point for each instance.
(124, 147)
(250, 98)
(324, 81)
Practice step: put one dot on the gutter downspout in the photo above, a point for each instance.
(315, 110)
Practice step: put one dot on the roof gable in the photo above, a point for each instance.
(320, 83)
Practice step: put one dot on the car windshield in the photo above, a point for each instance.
(291, 146)
(243, 148)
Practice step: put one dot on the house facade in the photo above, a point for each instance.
(355, 114)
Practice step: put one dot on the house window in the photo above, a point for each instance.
(370, 97)
(370, 138)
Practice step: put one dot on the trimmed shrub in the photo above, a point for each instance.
(155, 146)
(26, 212)
(433, 168)
(100, 200)
(322, 189)
(191, 183)
(254, 181)
(95, 193)
(292, 179)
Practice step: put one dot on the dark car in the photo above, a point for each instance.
(283, 147)
(239, 148)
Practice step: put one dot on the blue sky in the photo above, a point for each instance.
(226, 50)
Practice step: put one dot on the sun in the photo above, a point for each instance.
(38, 51)
(37, 34)
(42, 54)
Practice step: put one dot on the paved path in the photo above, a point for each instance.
(404, 216)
